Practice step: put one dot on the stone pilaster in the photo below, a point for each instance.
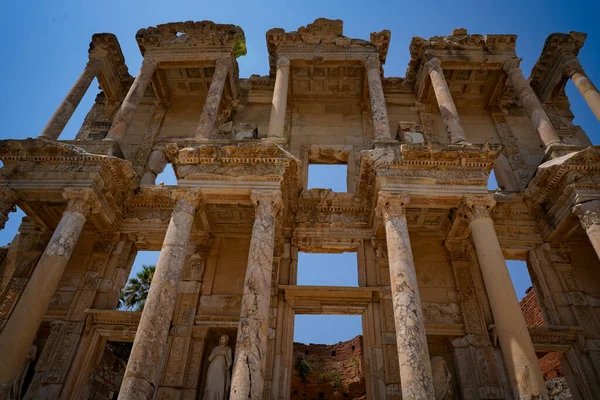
(413, 353)
(8, 200)
(247, 379)
(22, 326)
(515, 343)
(445, 101)
(144, 365)
(206, 126)
(278, 107)
(125, 115)
(67, 107)
(540, 120)
(589, 216)
(574, 70)
(381, 124)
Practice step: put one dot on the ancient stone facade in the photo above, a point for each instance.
(440, 315)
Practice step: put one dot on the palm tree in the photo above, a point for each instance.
(133, 296)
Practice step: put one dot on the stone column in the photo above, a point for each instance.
(278, 107)
(515, 343)
(208, 118)
(445, 101)
(247, 379)
(589, 216)
(23, 324)
(125, 115)
(585, 86)
(67, 107)
(381, 124)
(145, 362)
(413, 355)
(8, 199)
(533, 107)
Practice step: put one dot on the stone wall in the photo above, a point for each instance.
(336, 371)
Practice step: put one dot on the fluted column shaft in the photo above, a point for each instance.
(150, 343)
(247, 379)
(540, 120)
(445, 101)
(515, 343)
(590, 93)
(8, 199)
(206, 126)
(24, 322)
(125, 115)
(589, 216)
(67, 107)
(278, 106)
(413, 354)
(381, 124)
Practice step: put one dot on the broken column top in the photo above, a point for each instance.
(324, 36)
(206, 36)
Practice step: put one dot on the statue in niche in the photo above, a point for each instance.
(17, 389)
(218, 378)
(442, 379)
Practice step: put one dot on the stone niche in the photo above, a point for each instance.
(210, 342)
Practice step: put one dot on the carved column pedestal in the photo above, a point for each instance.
(247, 379)
(23, 324)
(124, 117)
(143, 368)
(278, 107)
(413, 354)
(513, 335)
(533, 107)
(381, 124)
(67, 107)
(445, 101)
(589, 216)
(208, 118)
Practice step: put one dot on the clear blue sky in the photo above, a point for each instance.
(45, 48)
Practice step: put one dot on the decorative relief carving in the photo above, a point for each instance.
(442, 313)
(588, 213)
(82, 201)
(391, 204)
(477, 206)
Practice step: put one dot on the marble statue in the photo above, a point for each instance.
(218, 375)
(442, 379)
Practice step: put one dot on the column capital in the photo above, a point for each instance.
(512, 65)
(94, 65)
(149, 62)
(475, 207)
(432, 64)
(82, 201)
(186, 200)
(8, 195)
(571, 67)
(283, 62)
(372, 63)
(588, 213)
(270, 198)
(392, 204)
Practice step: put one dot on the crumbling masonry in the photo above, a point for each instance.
(430, 239)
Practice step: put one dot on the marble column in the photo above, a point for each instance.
(206, 126)
(445, 102)
(381, 124)
(589, 216)
(515, 343)
(278, 107)
(585, 86)
(413, 354)
(23, 324)
(8, 199)
(125, 115)
(67, 107)
(144, 366)
(248, 374)
(540, 120)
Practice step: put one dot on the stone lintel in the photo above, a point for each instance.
(329, 299)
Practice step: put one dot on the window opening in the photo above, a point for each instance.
(133, 295)
(328, 176)
(317, 269)
(167, 177)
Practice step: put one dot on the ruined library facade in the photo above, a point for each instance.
(440, 317)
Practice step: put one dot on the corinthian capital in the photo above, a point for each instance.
(588, 213)
(186, 200)
(572, 66)
(82, 201)
(372, 63)
(283, 62)
(266, 201)
(476, 207)
(392, 204)
(512, 65)
(434, 63)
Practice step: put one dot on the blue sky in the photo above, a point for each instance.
(45, 48)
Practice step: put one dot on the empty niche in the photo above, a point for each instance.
(316, 269)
